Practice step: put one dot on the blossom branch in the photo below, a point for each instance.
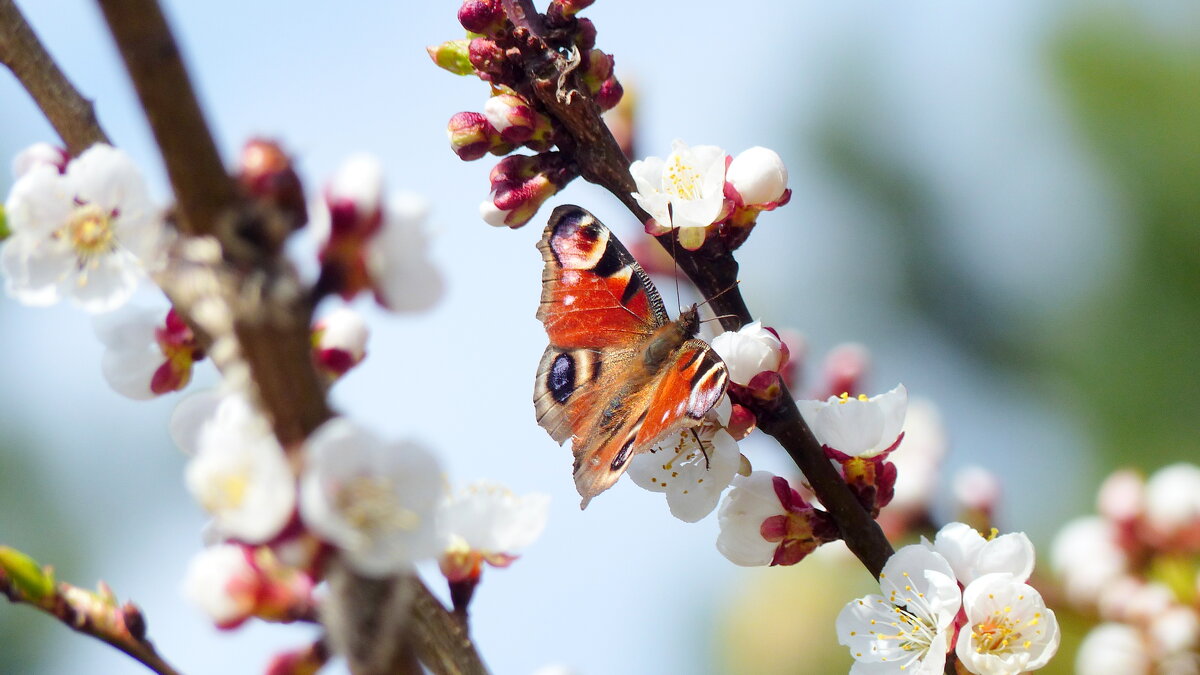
(97, 614)
(711, 268)
(72, 116)
(269, 312)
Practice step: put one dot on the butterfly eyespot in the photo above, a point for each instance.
(622, 456)
(561, 380)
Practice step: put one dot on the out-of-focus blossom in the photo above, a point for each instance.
(339, 341)
(844, 368)
(239, 472)
(1086, 557)
(487, 523)
(919, 459)
(231, 583)
(1113, 649)
(1009, 629)
(908, 628)
(373, 500)
(88, 234)
(686, 191)
(147, 355)
(1173, 504)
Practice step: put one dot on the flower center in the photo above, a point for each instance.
(912, 633)
(681, 180)
(1000, 632)
(845, 397)
(90, 231)
(369, 504)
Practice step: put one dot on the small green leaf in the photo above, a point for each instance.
(34, 582)
(4, 231)
(453, 56)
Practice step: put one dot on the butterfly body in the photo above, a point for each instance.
(619, 375)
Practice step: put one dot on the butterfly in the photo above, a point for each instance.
(619, 376)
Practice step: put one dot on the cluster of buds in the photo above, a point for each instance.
(513, 117)
(701, 191)
(1134, 566)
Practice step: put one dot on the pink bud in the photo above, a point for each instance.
(266, 172)
(521, 184)
(516, 121)
(487, 57)
(470, 135)
(485, 17)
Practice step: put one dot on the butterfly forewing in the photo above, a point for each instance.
(594, 294)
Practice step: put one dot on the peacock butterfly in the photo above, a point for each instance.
(619, 376)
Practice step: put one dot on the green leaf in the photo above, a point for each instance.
(4, 231)
(34, 582)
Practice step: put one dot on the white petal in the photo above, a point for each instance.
(209, 578)
(34, 268)
(106, 283)
(39, 203)
(960, 545)
(1173, 497)
(359, 179)
(751, 501)
(758, 174)
(107, 177)
(36, 154)
(189, 416)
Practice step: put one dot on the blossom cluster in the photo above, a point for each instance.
(513, 117)
(1134, 567)
(960, 592)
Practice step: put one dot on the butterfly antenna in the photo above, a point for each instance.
(674, 261)
(703, 450)
(718, 318)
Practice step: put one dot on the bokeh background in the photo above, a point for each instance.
(999, 198)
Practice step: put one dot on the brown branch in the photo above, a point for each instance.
(96, 615)
(71, 115)
(270, 317)
(713, 270)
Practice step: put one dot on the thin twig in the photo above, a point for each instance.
(713, 271)
(72, 116)
(92, 614)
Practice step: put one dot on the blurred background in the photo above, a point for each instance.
(998, 198)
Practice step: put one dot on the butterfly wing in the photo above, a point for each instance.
(640, 415)
(618, 376)
(597, 305)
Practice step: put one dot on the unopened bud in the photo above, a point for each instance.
(31, 579)
(521, 184)
(266, 173)
(1122, 496)
(471, 135)
(585, 34)
(339, 342)
(569, 7)
(487, 57)
(485, 17)
(453, 56)
(758, 175)
(515, 120)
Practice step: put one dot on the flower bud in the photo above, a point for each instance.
(585, 34)
(516, 121)
(741, 422)
(471, 135)
(609, 94)
(749, 351)
(597, 68)
(758, 175)
(339, 342)
(453, 56)
(33, 581)
(1121, 496)
(487, 58)
(266, 172)
(485, 17)
(355, 195)
(521, 184)
(569, 7)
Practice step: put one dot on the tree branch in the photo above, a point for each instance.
(71, 115)
(94, 614)
(270, 314)
(713, 270)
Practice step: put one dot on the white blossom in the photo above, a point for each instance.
(907, 629)
(221, 581)
(1173, 498)
(406, 279)
(358, 180)
(373, 500)
(1114, 649)
(857, 426)
(489, 521)
(971, 556)
(1086, 557)
(749, 351)
(758, 175)
(87, 234)
(39, 153)
(751, 501)
(686, 191)
(240, 474)
(131, 352)
(692, 478)
(1009, 629)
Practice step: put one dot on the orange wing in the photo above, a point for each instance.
(619, 376)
